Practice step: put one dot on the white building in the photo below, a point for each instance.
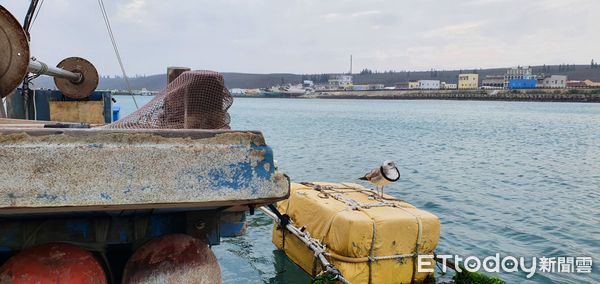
(429, 84)
(341, 82)
(554, 82)
(449, 86)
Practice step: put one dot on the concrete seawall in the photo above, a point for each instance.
(542, 95)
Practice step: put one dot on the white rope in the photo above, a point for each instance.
(34, 107)
(319, 249)
(114, 44)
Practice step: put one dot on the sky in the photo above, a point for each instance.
(315, 36)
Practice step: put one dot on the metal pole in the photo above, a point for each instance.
(42, 68)
(2, 109)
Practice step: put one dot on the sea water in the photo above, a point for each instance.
(515, 178)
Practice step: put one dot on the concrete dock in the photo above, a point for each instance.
(541, 95)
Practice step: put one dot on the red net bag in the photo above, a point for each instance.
(194, 100)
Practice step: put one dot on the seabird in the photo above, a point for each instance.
(383, 175)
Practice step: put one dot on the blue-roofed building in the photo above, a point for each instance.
(518, 73)
(522, 84)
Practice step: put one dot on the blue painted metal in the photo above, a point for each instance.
(129, 227)
(522, 84)
(233, 226)
(43, 97)
(116, 113)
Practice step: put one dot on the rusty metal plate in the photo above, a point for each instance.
(82, 89)
(48, 170)
(14, 53)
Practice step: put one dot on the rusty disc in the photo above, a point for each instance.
(14, 53)
(88, 83)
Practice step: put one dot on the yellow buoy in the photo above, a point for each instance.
(369, 239)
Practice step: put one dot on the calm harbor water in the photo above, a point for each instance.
(514, 178)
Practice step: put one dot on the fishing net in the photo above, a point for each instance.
(194, 100)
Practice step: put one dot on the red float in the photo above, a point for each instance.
(51, 264)
(173, 258)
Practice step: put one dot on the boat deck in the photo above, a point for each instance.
(65, 170)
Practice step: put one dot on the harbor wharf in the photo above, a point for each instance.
(541, 95)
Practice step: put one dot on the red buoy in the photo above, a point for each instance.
(51, 264)
(173, 258)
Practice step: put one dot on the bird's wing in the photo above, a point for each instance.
(373, 173)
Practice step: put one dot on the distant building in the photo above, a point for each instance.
(591, 84)
(583, 84)
(402, 86)
(368, 87)
(522, 84)
(448, 86)
(468, 81)
(518, 73)
(341, 82)
(429, 84)
(413, 85)
(308, 84)
(553, 82)
(493, 82)
(575, 84)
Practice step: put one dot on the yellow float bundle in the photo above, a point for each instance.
(369, 239)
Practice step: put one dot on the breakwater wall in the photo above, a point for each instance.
(541, 95)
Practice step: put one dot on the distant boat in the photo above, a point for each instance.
(237, 92)
(288, 91)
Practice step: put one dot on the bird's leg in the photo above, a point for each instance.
(382, 191)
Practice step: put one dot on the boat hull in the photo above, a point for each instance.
(270, 94)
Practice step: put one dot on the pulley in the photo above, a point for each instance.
(75, 77)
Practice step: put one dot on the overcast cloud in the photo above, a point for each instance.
(316, 36)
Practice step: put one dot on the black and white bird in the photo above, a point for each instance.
(383, 175)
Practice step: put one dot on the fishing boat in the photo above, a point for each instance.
(287, 91)
(84, 199)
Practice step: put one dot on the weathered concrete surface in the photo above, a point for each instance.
(50, 168)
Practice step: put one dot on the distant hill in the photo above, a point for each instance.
(245, 80)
